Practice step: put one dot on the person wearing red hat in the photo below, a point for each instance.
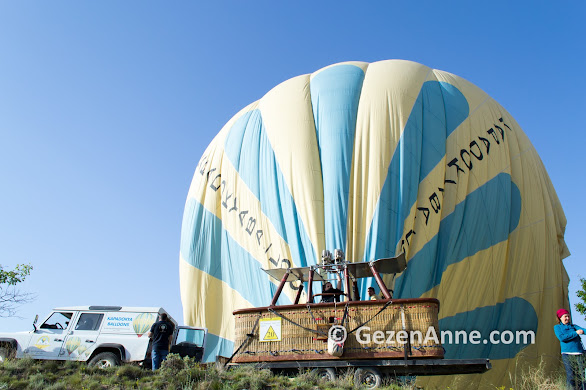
(572, 349)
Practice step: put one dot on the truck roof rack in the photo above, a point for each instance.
(111, 308)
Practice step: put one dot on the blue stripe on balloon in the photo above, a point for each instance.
(207, 246)
(514, 315)
(217, 346)
(439, 109)
(335, 93)
(486, 217)
(249, 150)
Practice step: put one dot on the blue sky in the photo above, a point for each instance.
(106, 108)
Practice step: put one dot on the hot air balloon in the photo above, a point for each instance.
(72, 344)
(142, 323)
(380, 159)
(81, 349)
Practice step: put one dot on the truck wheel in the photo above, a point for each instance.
(6, 353)
(368, 377)
(326, 373)
(105, 360)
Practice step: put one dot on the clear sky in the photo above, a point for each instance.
(106, 108)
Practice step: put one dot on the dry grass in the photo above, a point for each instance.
(184, 374)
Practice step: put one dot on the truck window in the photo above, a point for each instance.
(89, 321)
(191, 336)
(58, 320)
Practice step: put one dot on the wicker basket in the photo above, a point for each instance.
(299, 332)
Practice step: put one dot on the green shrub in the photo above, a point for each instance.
(130, 372)
(248, 377)
(196, 373)
(37, 381)
(18, 384)
(52, 365)
(173, 364)
(58, 386)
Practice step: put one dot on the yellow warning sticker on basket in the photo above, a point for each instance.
(270, 329)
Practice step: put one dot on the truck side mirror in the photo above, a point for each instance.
(35, 322)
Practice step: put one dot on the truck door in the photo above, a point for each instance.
(82, 336)
(189, 341)
(47, 342)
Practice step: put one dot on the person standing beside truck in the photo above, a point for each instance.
(161, 333)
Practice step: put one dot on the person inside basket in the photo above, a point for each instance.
(572, 349)
(372, 294)
(335, 292)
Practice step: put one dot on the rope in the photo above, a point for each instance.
(296, 324)
(311, 313)
(372, 318)
(345, 316)
(248, 336)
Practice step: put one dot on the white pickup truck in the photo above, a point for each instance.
(100, 335)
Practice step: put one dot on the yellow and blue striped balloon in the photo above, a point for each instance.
(142, 323)
(377, 159)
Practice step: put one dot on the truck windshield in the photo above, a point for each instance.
(191, 336)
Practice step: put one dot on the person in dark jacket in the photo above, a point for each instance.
(572, 349)
(161, 333)
(334, 293)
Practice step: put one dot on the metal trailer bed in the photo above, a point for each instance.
(370, 373)
(392, 366)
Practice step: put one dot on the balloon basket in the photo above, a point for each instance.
(300, 332)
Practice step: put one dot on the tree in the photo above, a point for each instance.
(581, 307)
(10, 297)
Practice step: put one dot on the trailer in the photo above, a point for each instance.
(373, 337)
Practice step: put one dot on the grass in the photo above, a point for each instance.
(184, 373)
(175, 373)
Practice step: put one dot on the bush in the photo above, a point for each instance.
(173, 364)
(131, 372)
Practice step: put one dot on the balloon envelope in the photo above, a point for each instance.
(378, 159)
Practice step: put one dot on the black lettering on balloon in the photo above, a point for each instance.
(435, 203)
(225, 201)
(214, 187)
(202, 165)
(454, 163)
(273, 261)
(250, 226)
(501, 131)
(409, 234)
(466, 158)
(288, 265)
(269, 247)
(425, 212)
(472, 144)
(241, 216)
(259, 234)
(491, 132)
(469, 163)
(234, 208)
(501, 120)
(486, 143)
